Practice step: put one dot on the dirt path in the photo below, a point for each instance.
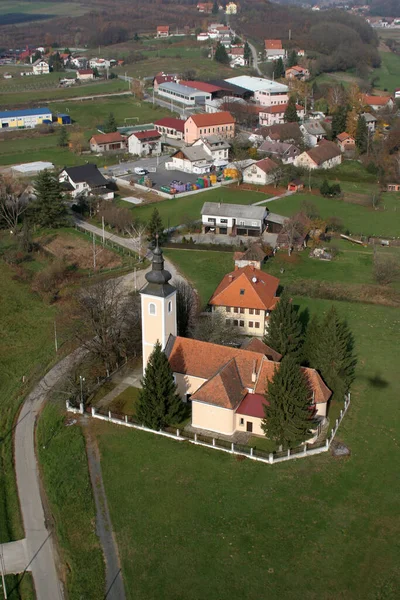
(114, 582)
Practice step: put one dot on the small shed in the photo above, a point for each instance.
(63, 119)
(393, 187)
(296, 185)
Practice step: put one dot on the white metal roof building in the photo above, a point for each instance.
(182, 93)
(257, 84)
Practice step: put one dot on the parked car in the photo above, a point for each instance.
(140, 171)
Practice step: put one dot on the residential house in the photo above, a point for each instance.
(274, 50)
(313, 132)
(325, 155)
(183, 94)
(233, 219)
(346, 142)
(191, 159)
(216, 147)
(246, 297)
(272, 115)
(297, 73)
(108, 142)
(274, 223)
(231, 8)
(280, 150)
(254, 256)
(25, 118)
(144, 143)
(371, 121)
(163, 31)
(84, 180)
(102, 63)
(272, 93)
(203, 125)
(163, 78)
(261, 172)
(202, 36)
(84, 74)
(171, 127)
(236, 56)
(378, 103)
(40, 67)
(205, 7)
(393, 187)
(284, 132)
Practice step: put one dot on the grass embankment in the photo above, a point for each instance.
(62, 455)
(176, 211)
(251, 530)
(388, 73)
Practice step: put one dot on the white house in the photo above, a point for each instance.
(371, 121)
(217, 217)
(101, 63)
(191, 159)
(326, 155)
(272, 93)
(40, 67)
(236, 56)
(144, 143)
(84, 74)
(313, 132)
(84, 180)
(260, 172)
(274, 50)
(203, 37)
(216, 147)
(283, 151)
(275, 115)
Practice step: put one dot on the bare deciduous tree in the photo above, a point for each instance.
(12, 201)
(386, 268)
(138, 236)
(186, 307)
(214, 328)
(109, 322)
(293, 228)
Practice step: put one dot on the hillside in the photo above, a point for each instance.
(335, 39)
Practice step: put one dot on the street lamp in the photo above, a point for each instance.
(81, 379)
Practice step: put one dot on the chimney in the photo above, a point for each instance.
(254, 373)
(252, 267)
(230, 278)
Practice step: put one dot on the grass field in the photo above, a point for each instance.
(356, 219)
(62, 457)
(388, 72)
(192, 522)
(176, 210)
(45, 10)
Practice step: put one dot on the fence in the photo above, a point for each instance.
(219, 444)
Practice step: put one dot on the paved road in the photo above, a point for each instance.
(40, 552)
(255, 59)
(273, 198)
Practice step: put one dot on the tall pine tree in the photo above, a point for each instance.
(330, 350)
(48, 209)
(285, 333)
(289, 413)
(292, 59)
(279, 69)
(339, 120)
(155, 227)
(362, 133)
(311, 342)
(221, 54)
(291, 115)
(110, 126)
(159, 404)
(247, 54)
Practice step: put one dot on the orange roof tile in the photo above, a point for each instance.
(225, 388)
(321, 392)
(256, 345)
(259, 289)
(210, 119)
(344, 136)
(108, 138)
(375, 100)
(273, 44)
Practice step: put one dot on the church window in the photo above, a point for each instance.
(152, 308)
(170, 306)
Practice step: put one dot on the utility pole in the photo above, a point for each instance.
(94, 252)
(55, 336)
(104, 235)
(81, 379)
(135, 279)
(290, 34)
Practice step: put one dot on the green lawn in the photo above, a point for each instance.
(62, 457)
(176, 211)
(42, 8)
(356, 219)
(388, 72)
(192, 522)
(124, 403)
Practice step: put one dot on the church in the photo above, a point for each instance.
(225, 385)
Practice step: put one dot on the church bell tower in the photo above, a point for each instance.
(158, 302)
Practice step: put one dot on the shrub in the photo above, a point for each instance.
(16, 257)
(386, 268)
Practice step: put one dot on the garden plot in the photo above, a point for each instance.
(76, 250)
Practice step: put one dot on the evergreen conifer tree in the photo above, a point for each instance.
(215, 9)
(63, 137)
(285, 330)
(279, 68)
(311, 341)
(325, 188)
(292, 59)
(289, 413)
(155, 227)
(159, 404)
(48, 209)
(111, 124)
(221, 54)
(333, 353)
(247, 54)
(291, 115)
(339, 120)
(362, 135)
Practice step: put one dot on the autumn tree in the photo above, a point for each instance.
(77, 142)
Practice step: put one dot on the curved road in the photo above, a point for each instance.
(37, 553)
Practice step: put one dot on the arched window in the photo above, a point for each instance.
(152, 308)
(170, 306)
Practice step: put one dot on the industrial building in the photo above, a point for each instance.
(183, 94)
(25, 118)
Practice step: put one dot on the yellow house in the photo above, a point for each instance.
(231, 8)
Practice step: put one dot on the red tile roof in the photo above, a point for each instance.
(171, 123)
(237, 51)
(164, 78)
(279, 108)
(273, 44)
(225, 388)
(209, 88)
(252, 405)
(259, 289)
(85, 71)
(143, 135)
(256, 345)
(321, 392)
(375, 100)
(212, 119)
(344, 136)
(107, 138)
(266, 164)
(163, 28)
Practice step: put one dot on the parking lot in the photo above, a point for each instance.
(157, 171)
